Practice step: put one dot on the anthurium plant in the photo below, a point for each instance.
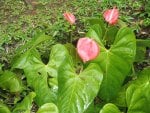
(96, 75)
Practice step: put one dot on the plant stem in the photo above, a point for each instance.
(104, 37)
(70, 33)
(133, 70)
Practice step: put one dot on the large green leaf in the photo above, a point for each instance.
(110, 108)
(48, 108)
(39, 77)
(25, 105)
(115, 62)
(37, 72)
(77, 91)
(4, 108)
(137, 94)
(11, 82)
(39, 82)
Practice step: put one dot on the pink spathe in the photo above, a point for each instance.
(87, 49)
(70, 17)
(111, 16)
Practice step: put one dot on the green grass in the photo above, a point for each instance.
(21, 20)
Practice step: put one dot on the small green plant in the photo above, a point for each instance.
(59, 70)
(97, 76)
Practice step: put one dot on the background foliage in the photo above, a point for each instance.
(30, 28)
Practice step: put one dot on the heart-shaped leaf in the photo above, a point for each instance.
(11, 82)
(110, 108)
(37, 72)
(77, 91)
(48, 108)
(115, 62)
(137, 94)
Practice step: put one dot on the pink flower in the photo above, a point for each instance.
(70, 17)
(111, 16)
(87, 49)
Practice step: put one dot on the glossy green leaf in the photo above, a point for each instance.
(72, 52)
(48, 108)
(95, 106)
(96, 33)
(11, 82)
(25, 105)
(98, 21)
(110, 108)
(111, 34)
(77, 91)
(24, 60)
(90, 109)
(138, 98)
(137, 94)
(4, 108)
(53, 83)
(37, 72)
(115, 62)
(39, 77)
(39, 83)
